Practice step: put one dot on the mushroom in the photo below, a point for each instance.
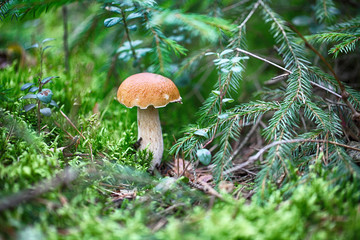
(148, 91)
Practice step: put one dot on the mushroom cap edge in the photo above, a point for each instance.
(147, 89)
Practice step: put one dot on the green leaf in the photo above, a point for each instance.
(204, 156)
(236, 59)
(183, 179)
(130, 9)
(113, 9)
(29, 96)
(221, 61)
(36, 45)
(209, 53)
(201, 132)
(29, 107)
(236, 69)
(47, 47)
(45, 95)
(174, 46)
(45, 111)
(109, 22)
(230, 100)
(33, 89)
(126, 4)
(26, 170)
(47, 79)
(133, 16)
(26, 86)
(47, 40)
(226, 51)
(53, 103)
(132, 27)
(30, 233)
(223, 116)
(217, 93)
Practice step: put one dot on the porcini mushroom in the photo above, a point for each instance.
(147, 92)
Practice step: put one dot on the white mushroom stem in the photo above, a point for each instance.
(149, 130)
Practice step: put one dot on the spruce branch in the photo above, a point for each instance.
(277, 143)
(299, 87)
(316, 112)
(344, 35)
(158, 49)
(230, 131)
(344, 93)
(325, 10)
(22, 8)
(164, 46)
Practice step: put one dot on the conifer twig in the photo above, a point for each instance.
(344, 93)
(223, 91)
(264, 149)
(128, 37)
(250, 14)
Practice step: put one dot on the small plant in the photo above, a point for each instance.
(39, 93)
(128, 13)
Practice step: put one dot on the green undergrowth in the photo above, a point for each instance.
(92, 135)
(165, 208)
(314, 211)
(83, 209)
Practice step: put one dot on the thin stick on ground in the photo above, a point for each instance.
(72, 124)
(65, 177)
(205, 187)
(57, 124)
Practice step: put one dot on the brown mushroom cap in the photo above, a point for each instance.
(145, 89)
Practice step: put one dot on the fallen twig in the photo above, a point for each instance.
(73, 125)
(65, 177)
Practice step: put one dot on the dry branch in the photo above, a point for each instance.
(63, 178)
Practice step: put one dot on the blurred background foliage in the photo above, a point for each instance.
(112, 195)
